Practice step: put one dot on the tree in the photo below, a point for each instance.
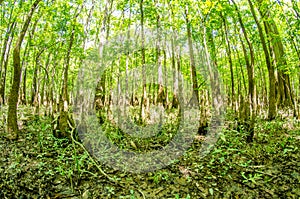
(144, 95)
(250, 72)
(252, 46)
(228, 50)
(4, 60)
(64, 119)
(285, 97)
(12, 125)
(7, 43)
(270, 66)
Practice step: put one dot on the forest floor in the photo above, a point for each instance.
(38, 165)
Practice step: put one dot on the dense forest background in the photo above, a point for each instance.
(240, 58)
(253, 45)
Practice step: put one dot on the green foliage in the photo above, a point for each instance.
(160, 176)
(270, 161)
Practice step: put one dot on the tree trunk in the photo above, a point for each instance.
(45, 80)
(4, 57)
(213, 74)
(23, 93)
(100, 98)
(251, 80)
(175, 102)
(144, 94)
(228, 50)
(195, 97)
(4, 62)
(285, 96)
(64, 119)
(12, 125)
(24, 74)
(270, 66)
(160, 92)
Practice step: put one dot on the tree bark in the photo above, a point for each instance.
(4, 61)
(144, 94)
(64, 119)
(251, 80)
(160, 92)
(272, 92)
(195, 97)
(228, 50)
(285, 96)
(213, 74)
(100, 98)
(12, 125)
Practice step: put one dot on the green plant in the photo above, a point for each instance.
(251, 178)
(132, 194)
(160, 176)
(110, 190)
(178, 197)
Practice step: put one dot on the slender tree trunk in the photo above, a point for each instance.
(4, 58)
(64, 96)
(175, 102)
(101, 90)
(228, 50)
(64, 119)
(52, 101)
(127, 97)
(144, 95)
(285, 95)
(23, 92)
(195, 97)
(80, 99)
(213, 74)
(270, 66)
(12, 125)
(4, 63)
(24, 74)
(250, 114)
(166, 93)
(160, 92)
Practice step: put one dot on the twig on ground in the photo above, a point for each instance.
(141, 193)
(91, 158)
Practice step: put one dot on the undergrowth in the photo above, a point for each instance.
(38, 165)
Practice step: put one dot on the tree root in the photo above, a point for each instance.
(74, 141)
(91, 158)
